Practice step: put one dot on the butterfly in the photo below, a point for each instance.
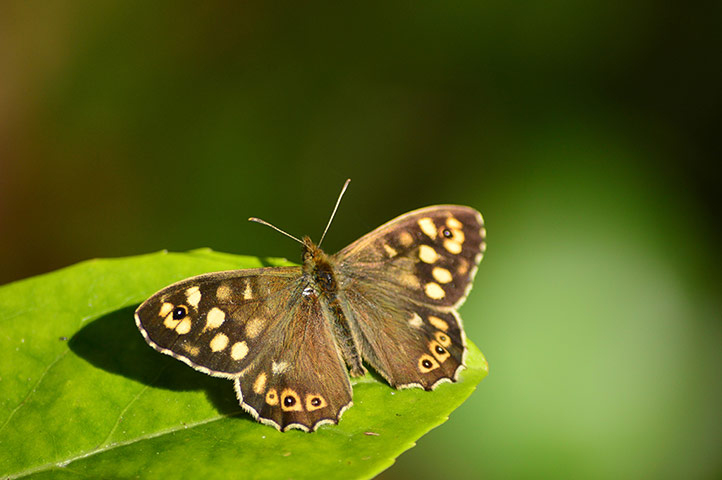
(289, 337)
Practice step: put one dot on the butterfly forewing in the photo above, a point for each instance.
(429, 255)
(216, 322)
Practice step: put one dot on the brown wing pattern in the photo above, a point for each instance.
(214, 322)
(300, 381)
(259, 329)
(410, 345)
(400, 286)
(429, 255)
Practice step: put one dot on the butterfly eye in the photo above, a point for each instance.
(179, 312)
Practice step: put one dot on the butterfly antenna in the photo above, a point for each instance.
(343, 190)
(263, 222)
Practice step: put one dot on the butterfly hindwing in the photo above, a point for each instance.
(299, 380)
(408, 344)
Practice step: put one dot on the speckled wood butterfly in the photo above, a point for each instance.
(289, 336)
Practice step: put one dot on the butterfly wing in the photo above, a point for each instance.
(259, 329)
(301, 380)
(214, 322)
(400, 286)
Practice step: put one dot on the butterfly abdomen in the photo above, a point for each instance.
(346, 340)
(321, 273)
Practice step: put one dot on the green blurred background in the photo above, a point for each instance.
(587, 133)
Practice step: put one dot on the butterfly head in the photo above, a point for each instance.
(310, 250)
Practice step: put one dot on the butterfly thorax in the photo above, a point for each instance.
(318, 268)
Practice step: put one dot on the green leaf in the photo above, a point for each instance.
(84, 396)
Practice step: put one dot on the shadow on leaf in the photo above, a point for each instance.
(114, 344)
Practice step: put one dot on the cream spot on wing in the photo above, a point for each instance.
(427, 254)
(247, 292)
(483, 247)
(215, 318)
(259, 386)
(219, 342)
(405, 239)
(390, 251)
(239, 350)
(434, 291)
(184, 326)
(482, 232)
(438, 323)
(463, 267)
(415, 320)
(165, 309)
(254, 326)
(223, 293)
(458, 235)
(441, 275)
(193, 295)
(452, 222)
(409, 280)
(191, 349)
(428, 227)
(272, 397)
(279, 367)
(452, 247)
(170, 322)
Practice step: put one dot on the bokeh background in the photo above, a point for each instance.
(587, 133)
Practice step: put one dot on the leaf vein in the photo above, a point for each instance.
(122, 412)
(150, 436)
(33, 389)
